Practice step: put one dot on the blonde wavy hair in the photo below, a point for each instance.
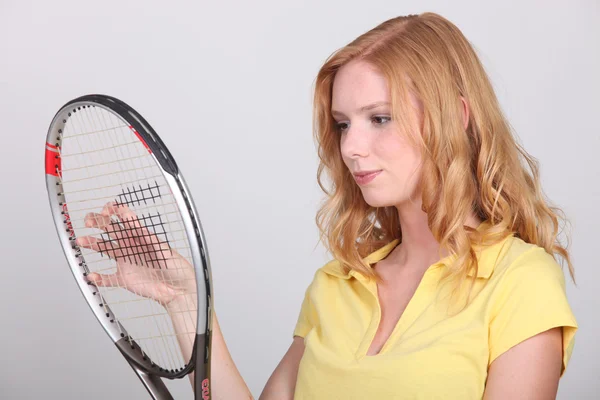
(480, 169)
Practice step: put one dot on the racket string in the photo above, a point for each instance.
(87, 167)
(165, 352)
(111, 186)
(94, 132)
(99, 291)
(170, 357)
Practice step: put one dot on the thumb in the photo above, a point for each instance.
(101, 280)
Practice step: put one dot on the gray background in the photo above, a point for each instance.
(228, 87)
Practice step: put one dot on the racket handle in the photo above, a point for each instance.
(202, 372)
(155, 386)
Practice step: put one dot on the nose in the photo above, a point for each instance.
(354, 143)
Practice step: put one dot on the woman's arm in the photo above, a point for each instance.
(282, 383)
(529, 370)
(174, 287)
(226, 381)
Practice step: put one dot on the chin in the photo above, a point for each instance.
(379, 200)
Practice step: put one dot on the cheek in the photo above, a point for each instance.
(343, 154)
(394, 149)
(399, 157)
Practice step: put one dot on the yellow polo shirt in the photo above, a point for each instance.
(519, 292)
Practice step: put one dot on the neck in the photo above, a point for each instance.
(419, 247)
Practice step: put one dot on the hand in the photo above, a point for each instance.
(146, 265)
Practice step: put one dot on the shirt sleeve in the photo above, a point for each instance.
(531, 299)
(304, 324)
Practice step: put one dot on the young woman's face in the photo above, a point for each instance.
(370, 141)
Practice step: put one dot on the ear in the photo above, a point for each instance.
(465, 112)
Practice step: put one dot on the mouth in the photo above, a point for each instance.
(364, 177)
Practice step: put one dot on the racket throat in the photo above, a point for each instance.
(154, 384)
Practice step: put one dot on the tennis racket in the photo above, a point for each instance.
(133, 240)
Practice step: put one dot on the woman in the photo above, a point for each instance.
(444, 282)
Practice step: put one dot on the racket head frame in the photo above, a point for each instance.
(193, 228)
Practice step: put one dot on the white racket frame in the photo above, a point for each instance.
(194, 232)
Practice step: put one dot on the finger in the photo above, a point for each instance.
(109, 247)
(98, 245)
(140, 285)
(103, 222)
(131, 221)
(127, 232)
(100, 280)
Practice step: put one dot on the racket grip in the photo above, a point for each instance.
(202, 371)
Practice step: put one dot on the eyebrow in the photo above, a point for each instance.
(365, 108)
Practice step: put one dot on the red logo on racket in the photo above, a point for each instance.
(53, 160)
(205, 390)
(68, 220)
(140, 138)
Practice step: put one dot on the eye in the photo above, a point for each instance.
(341, 126)
(380, 119)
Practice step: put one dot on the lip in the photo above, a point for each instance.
(364, 177)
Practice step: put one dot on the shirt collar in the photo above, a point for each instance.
(487, 257)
